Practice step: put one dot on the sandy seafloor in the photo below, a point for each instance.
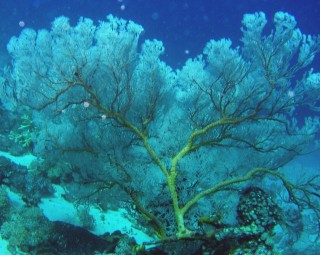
(56, 208)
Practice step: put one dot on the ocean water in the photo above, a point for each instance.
(188, 130)
(183, 26)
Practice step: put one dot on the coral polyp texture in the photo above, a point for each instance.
(176, 146)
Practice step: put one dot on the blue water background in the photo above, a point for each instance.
(184, 26)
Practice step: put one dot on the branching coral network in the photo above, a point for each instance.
(126, 120)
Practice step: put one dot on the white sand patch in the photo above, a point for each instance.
(3, 247)
(111, 221)
(24, 160)
(15, 199)
(58, 209)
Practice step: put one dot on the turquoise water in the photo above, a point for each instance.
(159, 127)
